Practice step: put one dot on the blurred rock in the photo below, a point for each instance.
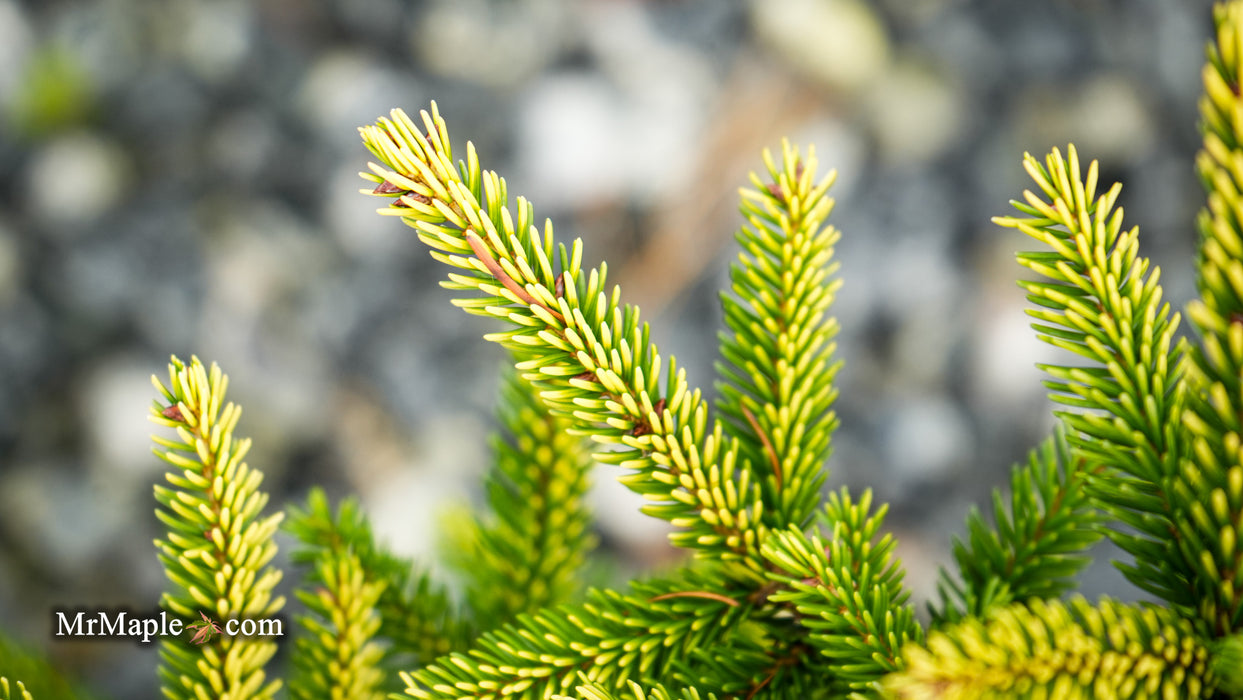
(915, 113)
(1105, 117)
(75, 179)
(927, 439)
(346, 89)
(839, 43)
(496, 45)
(114, 408)
(63, 517)
(214, 36)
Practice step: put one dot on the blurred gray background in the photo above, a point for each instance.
(181, 177)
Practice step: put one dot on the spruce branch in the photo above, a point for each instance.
(218, 547)
(770, 661)
(418, 621)
(1099, 301)
(847, 592)
(776, 373)
(339, 656)
(609, 639)
(1068, 651)
(1210, 485)
(588, 354)
(1035, 547)
(539, 530)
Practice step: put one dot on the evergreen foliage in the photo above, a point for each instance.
(1099, 301)
(1047, 648)
(1036, 546)
(776, 369)
(788, 594)
(1147, 453)
(339, 657)
(417, 619)
(1208, 491)
(537, 532)
(218, 546)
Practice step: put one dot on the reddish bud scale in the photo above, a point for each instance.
(173, 413)
(387, 187)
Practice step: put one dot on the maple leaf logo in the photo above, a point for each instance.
(204, 630)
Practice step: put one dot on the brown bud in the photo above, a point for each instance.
(387, 187)
(173, 413)
(559, 285)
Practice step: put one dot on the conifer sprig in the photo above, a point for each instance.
(1069, 651)
(419, 621)
(610, 638)
(1036, 545)
(847, 591)
(219, 545)
(339, 656)
(538, 532)
(777, 370)
(588, 354)
(1099, 301)
(1210, 486)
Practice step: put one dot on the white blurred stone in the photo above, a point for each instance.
(582, 142)
(215, 35)
(667, 90)
(926, 439)
(491, 44)
(352, 220)
(572, 143)
(839, 43)
(915, 113)
(114, 405)
(1003, 348)
(616, 509)
(1107, 118)
(76, 178)
(444, 468)
(261, 252)
(1112, 119)
(346, 89)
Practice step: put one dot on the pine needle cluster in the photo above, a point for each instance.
(789, 592)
